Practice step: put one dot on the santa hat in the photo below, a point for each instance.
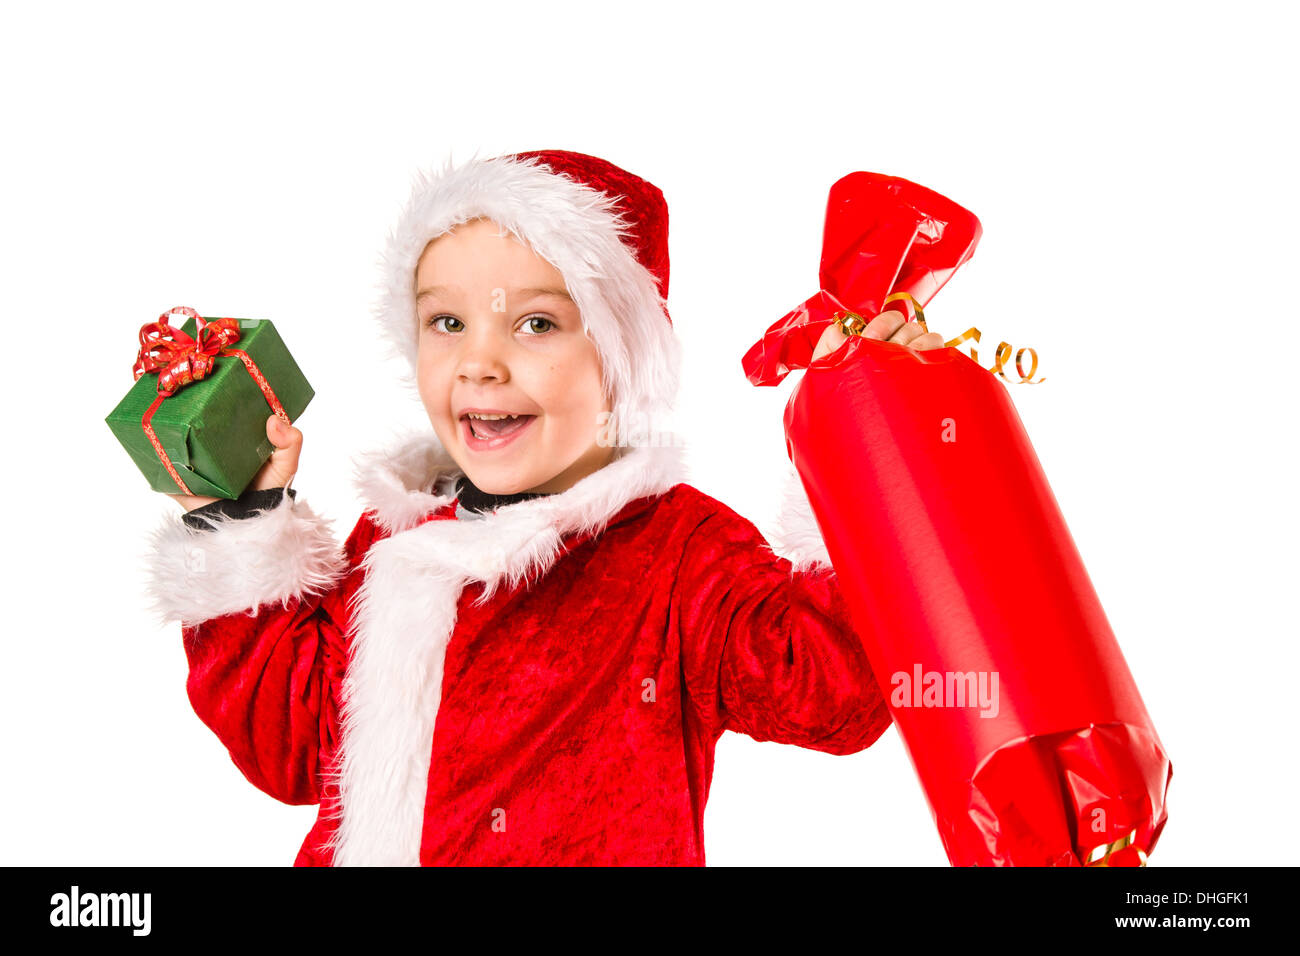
(603, 228)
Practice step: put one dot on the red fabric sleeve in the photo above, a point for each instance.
(267, 683)
(768, 651)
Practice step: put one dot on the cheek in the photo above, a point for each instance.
(569, 383)
(431, 376)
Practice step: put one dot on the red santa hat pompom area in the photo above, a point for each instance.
(603, 228)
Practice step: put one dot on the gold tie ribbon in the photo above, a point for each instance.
(1100, 854)
(851, 323)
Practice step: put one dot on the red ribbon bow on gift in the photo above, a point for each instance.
(181, 360)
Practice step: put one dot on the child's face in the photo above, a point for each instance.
(499, 332)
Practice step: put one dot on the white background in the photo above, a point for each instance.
(1135, 174)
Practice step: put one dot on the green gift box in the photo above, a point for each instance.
(213, 430)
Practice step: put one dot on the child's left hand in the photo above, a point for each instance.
(891, 326)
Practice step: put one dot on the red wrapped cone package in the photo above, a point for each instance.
(1005, 680)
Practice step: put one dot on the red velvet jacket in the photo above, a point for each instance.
(543, 685)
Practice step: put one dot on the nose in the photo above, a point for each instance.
(482, 356)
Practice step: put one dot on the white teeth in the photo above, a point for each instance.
(491, 418)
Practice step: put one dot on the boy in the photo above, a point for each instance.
(530, 643)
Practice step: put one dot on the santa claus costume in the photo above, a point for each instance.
(538, 681)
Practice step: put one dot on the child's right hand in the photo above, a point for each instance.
(279, 468)
(889, 326)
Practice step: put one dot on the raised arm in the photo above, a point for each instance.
(258, 586)
(768, 645)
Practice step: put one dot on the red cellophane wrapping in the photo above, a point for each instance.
(955, 558)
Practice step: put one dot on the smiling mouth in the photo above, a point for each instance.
(495, 429)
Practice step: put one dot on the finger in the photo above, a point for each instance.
(831, 339)
(285, 457)
(931, 340)
(275, 473)
(908, 333)
(884, 325)
(282, 435)
(282, 464)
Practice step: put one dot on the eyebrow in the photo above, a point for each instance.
(530, 293)
(537, 293)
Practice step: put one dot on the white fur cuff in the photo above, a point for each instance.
(241, 563)
(798, 537)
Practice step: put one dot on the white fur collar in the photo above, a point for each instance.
(414, 475)
(406, 610)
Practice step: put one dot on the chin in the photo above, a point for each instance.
(496, 489)
(499, 481)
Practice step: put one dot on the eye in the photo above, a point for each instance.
(432, 323)
(531, 327)
(531, 324)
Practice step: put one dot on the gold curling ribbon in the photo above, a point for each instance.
(851, 323)
(906, 297)
(1000, 356)
(1100, 854)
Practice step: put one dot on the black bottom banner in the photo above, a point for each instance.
(646, 907)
